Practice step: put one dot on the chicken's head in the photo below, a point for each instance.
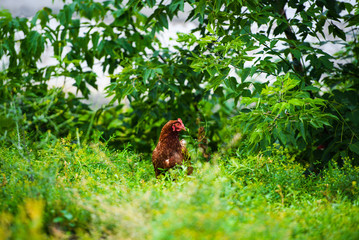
(178, 126)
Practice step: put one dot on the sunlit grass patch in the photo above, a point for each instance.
(90, 192)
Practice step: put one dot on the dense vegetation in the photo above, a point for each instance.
(93, 193)
(251, 82)
(212, 77)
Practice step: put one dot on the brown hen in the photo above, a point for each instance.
(170, 151)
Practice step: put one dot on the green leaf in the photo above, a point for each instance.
(278, 133)
(354, 147)
(210, 29)
(162, 18)
(176, 4)
(296, 53)
(231, 82)
(147, 74)
(302, 130)
(296, 102)
(256, 136)
(159, 71)
(174, 88)
(337, 32)
(353, 21)
(95, 38)
(151, 3)
(326, 62)
(314, 123)
(67, 214)
(43, 15)
(78, 80)
(201, 6)
(245, 73)
(273, 43)
(5, 14)
(310, 88)
(58, 220)
(65, 14)
(280, 28)
(281, 106)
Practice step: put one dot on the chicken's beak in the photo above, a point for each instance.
(182, 128)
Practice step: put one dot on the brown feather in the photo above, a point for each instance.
(169, 151)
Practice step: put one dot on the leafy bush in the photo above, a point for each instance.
(283, 46)
(204, 78)
(284, 114)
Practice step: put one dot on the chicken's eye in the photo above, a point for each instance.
(176, 126)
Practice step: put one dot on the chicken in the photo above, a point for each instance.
(170, 151)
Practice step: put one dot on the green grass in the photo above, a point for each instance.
(62, 191)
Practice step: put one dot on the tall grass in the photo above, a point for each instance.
(63, 191)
